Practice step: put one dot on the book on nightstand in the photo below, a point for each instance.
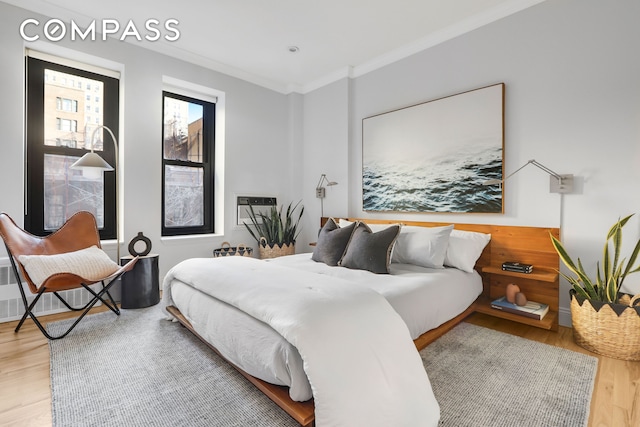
(533, 310)
(517, 267)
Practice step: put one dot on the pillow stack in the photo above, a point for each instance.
(373, 247)
(355, 245)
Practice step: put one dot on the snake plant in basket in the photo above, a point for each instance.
(276, 234)
(604, 320)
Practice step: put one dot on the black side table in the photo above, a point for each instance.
(140, 287)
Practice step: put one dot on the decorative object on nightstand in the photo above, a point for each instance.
(521, 299)
(605, 321)
(140, 238)
(276, 234)
(321, 191)
(514, 296)
(511, 291)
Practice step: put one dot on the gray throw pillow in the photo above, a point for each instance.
(370, 251)
(332, 242)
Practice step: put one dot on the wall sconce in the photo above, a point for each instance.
(557, 183)
(320, 190)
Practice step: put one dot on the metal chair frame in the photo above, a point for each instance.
(69, 281)
(29, 307)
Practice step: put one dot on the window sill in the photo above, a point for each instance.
(188, 237)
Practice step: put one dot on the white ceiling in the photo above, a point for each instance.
(249, 39)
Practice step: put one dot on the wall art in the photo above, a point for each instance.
(434, 156)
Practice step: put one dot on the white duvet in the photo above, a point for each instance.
(357, 352)
(425, 298)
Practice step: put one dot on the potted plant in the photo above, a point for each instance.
(604, 320)
(276, 234)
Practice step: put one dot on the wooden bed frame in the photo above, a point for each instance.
(530, 245)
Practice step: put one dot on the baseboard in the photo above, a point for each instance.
(564, 317)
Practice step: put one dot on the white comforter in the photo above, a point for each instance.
(357, 352)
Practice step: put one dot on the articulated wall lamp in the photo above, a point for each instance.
(320, 190)
(557, 183)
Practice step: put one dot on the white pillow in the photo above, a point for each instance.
(91, 264)
(465, 247)
(422, 246)
(373, 227)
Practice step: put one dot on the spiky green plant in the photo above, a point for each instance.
(276, 229)
(608, 281)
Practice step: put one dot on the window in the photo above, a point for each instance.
(187, 165)
(58, 133)
(64, 104)
(67, 125)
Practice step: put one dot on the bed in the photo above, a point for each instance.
(428, 301)
(416, 293)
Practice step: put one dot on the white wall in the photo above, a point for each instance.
(326, 150)
(571, 71)
(257, 123)
(572, 102)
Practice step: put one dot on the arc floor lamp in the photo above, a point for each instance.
(93, 165)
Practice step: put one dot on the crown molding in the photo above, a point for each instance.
(472, 23)
(448, 33)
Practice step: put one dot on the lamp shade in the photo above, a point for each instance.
(91, 160)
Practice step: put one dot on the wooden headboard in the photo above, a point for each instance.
(528, 245)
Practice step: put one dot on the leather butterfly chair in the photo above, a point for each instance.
(78, 232)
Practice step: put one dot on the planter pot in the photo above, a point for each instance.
(275, 251)
(609, 329)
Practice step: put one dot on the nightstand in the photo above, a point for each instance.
(539, 286)
(140, 287)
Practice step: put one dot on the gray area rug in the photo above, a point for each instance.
(483, 377)
(139, 370)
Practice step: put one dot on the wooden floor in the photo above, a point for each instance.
(25, 397)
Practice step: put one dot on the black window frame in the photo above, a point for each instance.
(36, 149)
(208, 165)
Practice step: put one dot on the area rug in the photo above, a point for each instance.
(139, 369)
(483, 377)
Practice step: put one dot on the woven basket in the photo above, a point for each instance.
(609, 329)
(275, 251)
(227, 250)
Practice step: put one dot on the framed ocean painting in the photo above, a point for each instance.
(434, 156)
